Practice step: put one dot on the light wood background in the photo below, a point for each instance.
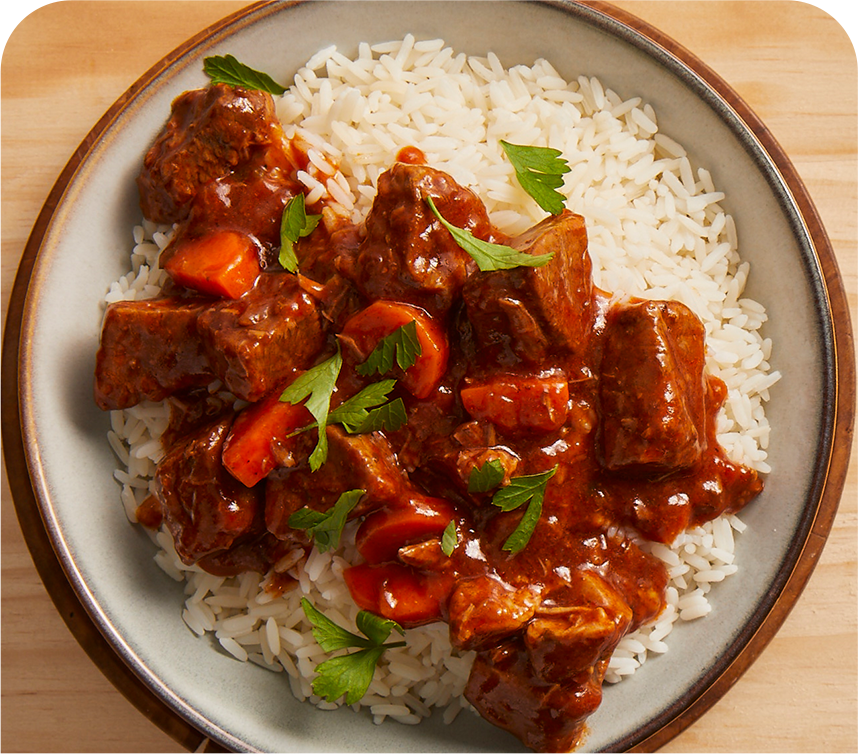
(65, 65)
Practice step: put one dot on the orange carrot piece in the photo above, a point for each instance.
(258, 438)
(224, 263)
(383, 532)
(512, 402)
(381, 318)
(399, 592)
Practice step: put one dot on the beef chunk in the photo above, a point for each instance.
(407, 254)
(364, 462)
(254, 343)
(484, 610)
(526, 313)
(205, 509)
(577, 626)
(544, 716)
(211, 132)
(470, 446)
(254, 551)
(652, 387)
(249, 202)
(149, 350)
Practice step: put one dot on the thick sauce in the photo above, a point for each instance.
(532, 369)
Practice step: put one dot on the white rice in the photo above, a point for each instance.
(657, 229)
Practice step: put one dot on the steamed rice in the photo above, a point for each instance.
(656, 228)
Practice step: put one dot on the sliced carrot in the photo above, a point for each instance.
(258, 438)
(399, 592)
(513, 402)
(381, 318)
(386, 530)
(224, 263)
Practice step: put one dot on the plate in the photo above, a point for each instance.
(108, 563)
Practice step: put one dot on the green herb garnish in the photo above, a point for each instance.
(295, 223)
(366, 411)
(390, 416)
(317, 385)
(225, 69)
(349, 674)
(354, 413)
(490, 256)
(326, 527)
(486, 477)
(449, 539)
(540, 172)
(528, 489)
(402, 344)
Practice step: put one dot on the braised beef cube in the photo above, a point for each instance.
(205, 509)
(191, 410)
(254, 343)
(468, 448)
(484, 610)
(544, 716)
(355, 462)
(211, 132)
(407, 254)
(254, 551)
(249, 202)
(526, 313)
(570, 641)
(652, 387)
(149, 350)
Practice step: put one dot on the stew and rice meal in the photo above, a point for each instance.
(434, 382)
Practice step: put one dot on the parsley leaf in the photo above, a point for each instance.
(349, 674)
(390, 416)
(318, 383)
(326, 527)
(295, 223)
(353, 412)
(225, 69)
(376, 628)
(329, 635)
(449, 539)
(528, 489)
(486, 477)
(540, 172)
(402, 344)
(366, 411)
(490, 256)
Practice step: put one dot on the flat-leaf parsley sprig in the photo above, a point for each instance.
(369, 410)
(402, 345)
(528, 489)
(349, 675)
(486, 477)
(366, 411)
(295, 223)
(489, 256)
(326, 527)
(317, 386)
(540, 172)
(225, 69)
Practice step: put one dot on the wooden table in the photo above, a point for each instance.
(67, 63)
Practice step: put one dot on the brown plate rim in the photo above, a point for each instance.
(672, 721)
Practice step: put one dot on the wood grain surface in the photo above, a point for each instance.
(66, 63)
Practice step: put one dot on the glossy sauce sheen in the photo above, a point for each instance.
(532, 368)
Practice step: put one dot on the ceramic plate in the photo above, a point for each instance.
(108, 562)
